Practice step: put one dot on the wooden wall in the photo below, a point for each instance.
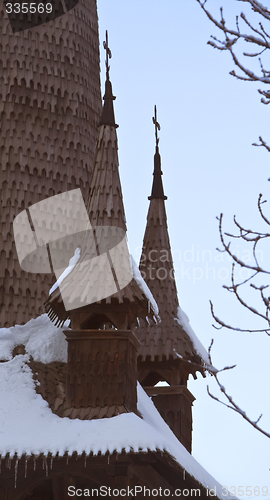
(49, 111)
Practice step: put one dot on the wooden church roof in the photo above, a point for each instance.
(33, 431)
(169, 338)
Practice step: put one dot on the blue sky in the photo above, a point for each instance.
(209, 121)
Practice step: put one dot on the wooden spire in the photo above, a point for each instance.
(105, 209)
(105, 205)
(166, 339)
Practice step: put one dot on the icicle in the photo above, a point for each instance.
(108, 459)
(67, 461)
(184, 474)
(51, 464)
(0, 463)
(46, 467)
(35, 463)
(85, 460)
(16, 472)
(25, 467)
(43, 465)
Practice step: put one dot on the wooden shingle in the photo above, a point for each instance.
(50, 106)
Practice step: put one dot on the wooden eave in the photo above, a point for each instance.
(152, 469)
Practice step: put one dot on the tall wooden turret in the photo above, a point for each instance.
(50, 106)
(167, 352)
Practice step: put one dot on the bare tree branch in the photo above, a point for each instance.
(256, 34)
(229, 327)
(262, 143)
(252, 237)
(226, 247)
(232, 405)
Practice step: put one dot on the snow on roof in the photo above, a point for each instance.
(25, 417)
(72, 263)
(42, 340)
(183, 320)
(174, 447)
(32, 428)
(136, 275)
(143, 286)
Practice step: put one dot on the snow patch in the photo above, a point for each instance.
(143, 286)
(41, 338)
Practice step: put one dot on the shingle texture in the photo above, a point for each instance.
(51, 384)
(50, 106)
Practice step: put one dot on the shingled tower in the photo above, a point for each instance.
(50, 106)
(167, 352)
(102, 364)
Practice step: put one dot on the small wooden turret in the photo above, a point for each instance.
(166, 352)
(101, 369)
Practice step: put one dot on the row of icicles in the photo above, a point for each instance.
(45, 465)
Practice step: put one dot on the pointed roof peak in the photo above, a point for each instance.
(157, 188)
(107, 115)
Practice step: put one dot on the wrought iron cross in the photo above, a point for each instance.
(108, 54)
(157, 126)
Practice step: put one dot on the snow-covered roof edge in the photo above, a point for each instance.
(143, 286)
(151, 415)
(183, 320)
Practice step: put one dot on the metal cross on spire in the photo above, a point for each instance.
(108, 55)
(157, 126)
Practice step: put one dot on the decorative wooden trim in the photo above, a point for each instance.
(102, 334)
(180, 389)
